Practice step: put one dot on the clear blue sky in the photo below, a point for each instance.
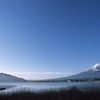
(42, 39)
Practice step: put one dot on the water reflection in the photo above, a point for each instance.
(37, 86)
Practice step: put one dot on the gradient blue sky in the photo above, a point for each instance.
(42, 39)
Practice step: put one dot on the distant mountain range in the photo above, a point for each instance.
(93, 72)
(9, 78)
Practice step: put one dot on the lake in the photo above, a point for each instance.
(34, 86)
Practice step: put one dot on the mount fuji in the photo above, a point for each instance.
(93, 72)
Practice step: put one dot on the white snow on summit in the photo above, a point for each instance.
(96, 67)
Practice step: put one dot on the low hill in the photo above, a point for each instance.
(9, 78)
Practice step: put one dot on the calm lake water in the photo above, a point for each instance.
(16, 86)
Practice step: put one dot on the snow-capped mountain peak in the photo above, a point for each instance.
(96, 67)
(91, 73)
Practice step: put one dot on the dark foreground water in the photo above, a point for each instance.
(35, 86)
